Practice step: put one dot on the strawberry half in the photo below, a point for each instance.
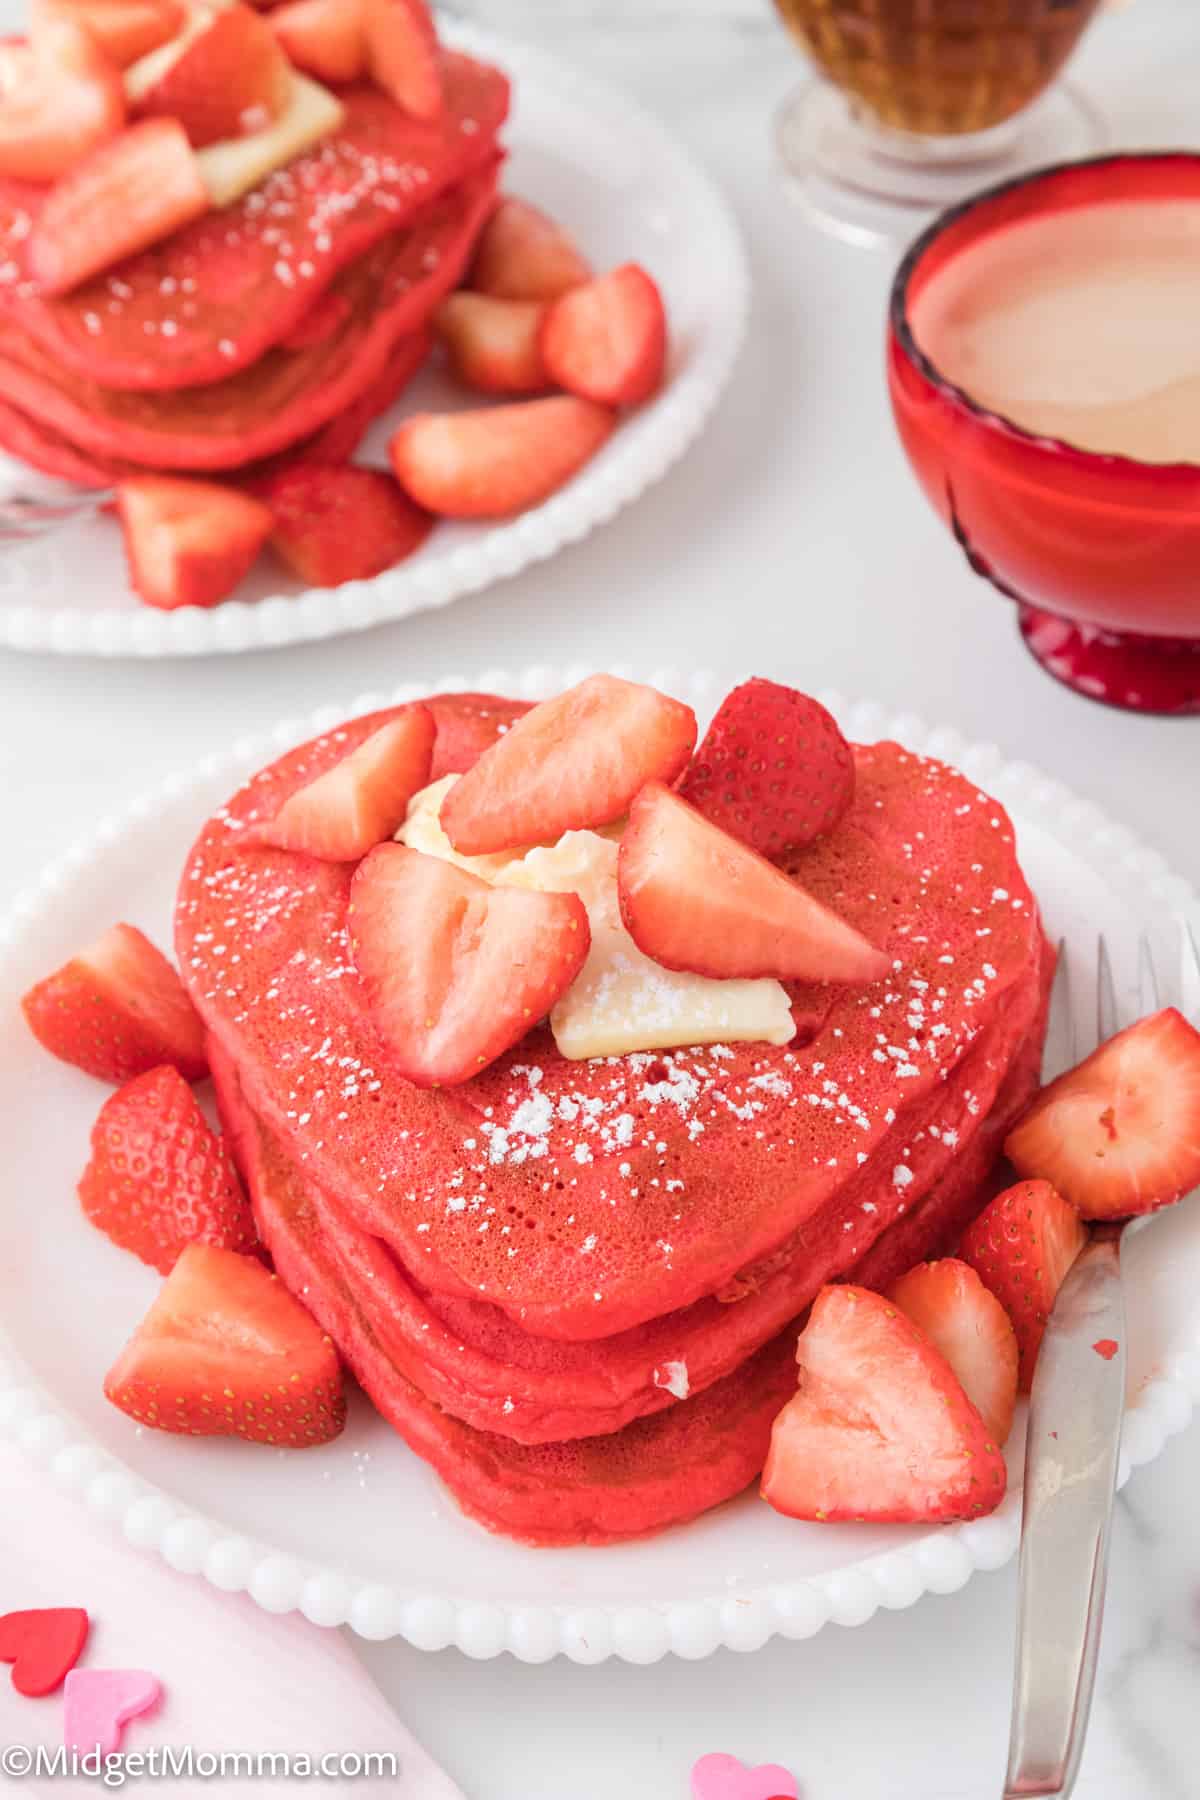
(966, 1324)
(607, 340)
(692, 897)
(325, 37)
(489, 464)
(467, 725)
(880, 1429)
(188, 543)
(523, 255)
(123, 196)
(117, 1009)
(1021, 1247)
(59, 99)
(456, 971)
(773, 770)
(493, 344)
(334, 524)
(159, 1178)
(1120, 1135)
(361, 800)
(574, 761)
(124, 29)
(403, 55)
(232, 78)
(225, 1351)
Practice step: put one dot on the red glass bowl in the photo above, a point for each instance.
(1101, 553)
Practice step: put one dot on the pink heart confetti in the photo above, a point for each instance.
(720, 1777)
(97, 1703)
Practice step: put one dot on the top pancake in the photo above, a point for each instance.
(585, 1198)
(214, 296)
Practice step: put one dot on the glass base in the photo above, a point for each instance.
(1138, 674)
(870, 186)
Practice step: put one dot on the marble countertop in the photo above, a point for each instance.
(797, 503)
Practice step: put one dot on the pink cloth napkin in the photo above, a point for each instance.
(233, 1677)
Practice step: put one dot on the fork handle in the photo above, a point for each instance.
(1071, 1455)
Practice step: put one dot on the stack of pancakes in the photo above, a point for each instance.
(280, 325)
(573, 1286)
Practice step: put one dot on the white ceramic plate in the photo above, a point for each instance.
(628, 192)
(361, 1530)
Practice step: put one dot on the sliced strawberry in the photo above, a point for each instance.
(117, 1009)
(232, 78)
(1021, 1247)
(335, 524)
(360, 801)
(456, 971)
(403, 55)
(493, 344)
(1120, 1134)
(159, 1177)
(225, 1351)
(574, 761)
(523, 255)
(966, 1324)
(467, 725)
(188, 543)
(880, 1429)
(773, 770)
(694, 898)
(607, 340)
(123, 196)
(486, 465)
(59, 99)
(325, 37)
(124, 29)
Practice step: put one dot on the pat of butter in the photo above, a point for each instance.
(422, 830)
(235, 165)
(621, 1000)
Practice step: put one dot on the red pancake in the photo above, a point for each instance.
(240, 280)
(631, 1187)
(478, 1365)
(287, 395)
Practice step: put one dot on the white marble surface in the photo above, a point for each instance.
(793, 538)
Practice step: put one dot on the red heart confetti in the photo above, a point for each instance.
(42, 1645)
(1107, 1348)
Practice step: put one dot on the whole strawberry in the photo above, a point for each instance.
(159, 1178)
(773, 770)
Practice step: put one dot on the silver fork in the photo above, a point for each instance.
(1073, 1444)
(24, 517)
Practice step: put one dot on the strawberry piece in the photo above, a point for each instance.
(574, 761)
(880, 1429)
(327, 38)
(123, 196)
(486, 465)
(966, 1324)
(225, 1351)
(493, 344)
(403, 55)
(159, 1178)
(188, 543)
(124, 29)
(523, 255)
(362, 800)
(336, 524)
(1120, 1135)
(60, 98)
(1021, 1247)
(773, 770)
(607, 340)
(694, 898)
(456, 971)
(117, 1009)
(231, 79)
(467, 725)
